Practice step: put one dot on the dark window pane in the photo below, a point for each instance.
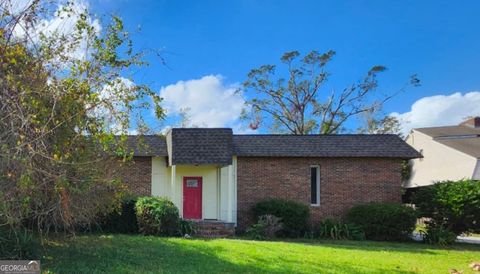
(313, 185)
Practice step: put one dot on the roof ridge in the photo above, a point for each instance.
(200, 128)
(305, 135)
(141, 135)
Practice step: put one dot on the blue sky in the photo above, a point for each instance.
(438, 40)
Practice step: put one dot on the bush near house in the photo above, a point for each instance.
(157, 216)
(384, 221)
(187, 227)
(267, 227)
(450, 206)
(123, 220)
(294, 216)
(438, 235)
(337, 229)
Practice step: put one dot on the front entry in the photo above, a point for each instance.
(192, 198)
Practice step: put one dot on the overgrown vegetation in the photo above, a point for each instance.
(383, 221)
(157, 216)
(294, 216)
(122, 219)
(452, 208)
(64, 95)
(18, 243)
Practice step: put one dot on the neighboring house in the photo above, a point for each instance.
(449, 153)
(212, 174)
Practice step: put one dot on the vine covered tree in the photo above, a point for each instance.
(65, 98)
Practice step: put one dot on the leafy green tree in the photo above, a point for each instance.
(295, 99)
(450, 205)
(64, 98)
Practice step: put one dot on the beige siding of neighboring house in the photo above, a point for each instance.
(440, 162)
(476, 173)
(216, 190)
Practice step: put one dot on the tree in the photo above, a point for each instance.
(64, 98)
(298, 104)
(376, 124)
(450, 206)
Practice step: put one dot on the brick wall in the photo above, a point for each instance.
(344, 183)
(137, 175)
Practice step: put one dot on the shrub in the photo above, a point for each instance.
(123, 220)
(17, 244)
(187, 227)
(438, 235)
(339, 230)
(294, 215)
(453, 206)
(157, 216)
(383, 221)
(267, 227)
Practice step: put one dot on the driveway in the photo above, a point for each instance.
(460, 239)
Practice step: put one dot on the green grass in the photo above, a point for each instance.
(138, 254)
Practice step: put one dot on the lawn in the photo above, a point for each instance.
(138, 254)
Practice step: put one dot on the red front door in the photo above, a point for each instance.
(192, 198)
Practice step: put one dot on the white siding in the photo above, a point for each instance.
(224, 192)
(159, 177)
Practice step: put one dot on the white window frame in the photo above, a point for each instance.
(318, 185)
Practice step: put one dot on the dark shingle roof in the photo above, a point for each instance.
(218, 145)
(343, 145)
(147, 145)
(202, 146)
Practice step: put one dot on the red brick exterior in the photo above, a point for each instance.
(137, 175)
(344, 182)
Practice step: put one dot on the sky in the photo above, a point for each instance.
(208, 47)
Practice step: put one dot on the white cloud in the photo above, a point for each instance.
(208, 101)
(62, 23)
(15, 7)
(111, 107)
(440, 110)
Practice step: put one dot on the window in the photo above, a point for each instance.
(192, 183)
(315, 185)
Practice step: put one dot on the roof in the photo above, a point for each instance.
(338, 145)
(463, 138)
(218, 145)
(202, 146)
(449, 131)
(147, 145)
(469, 146)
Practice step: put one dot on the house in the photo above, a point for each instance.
(449, 153)
(213, 174)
